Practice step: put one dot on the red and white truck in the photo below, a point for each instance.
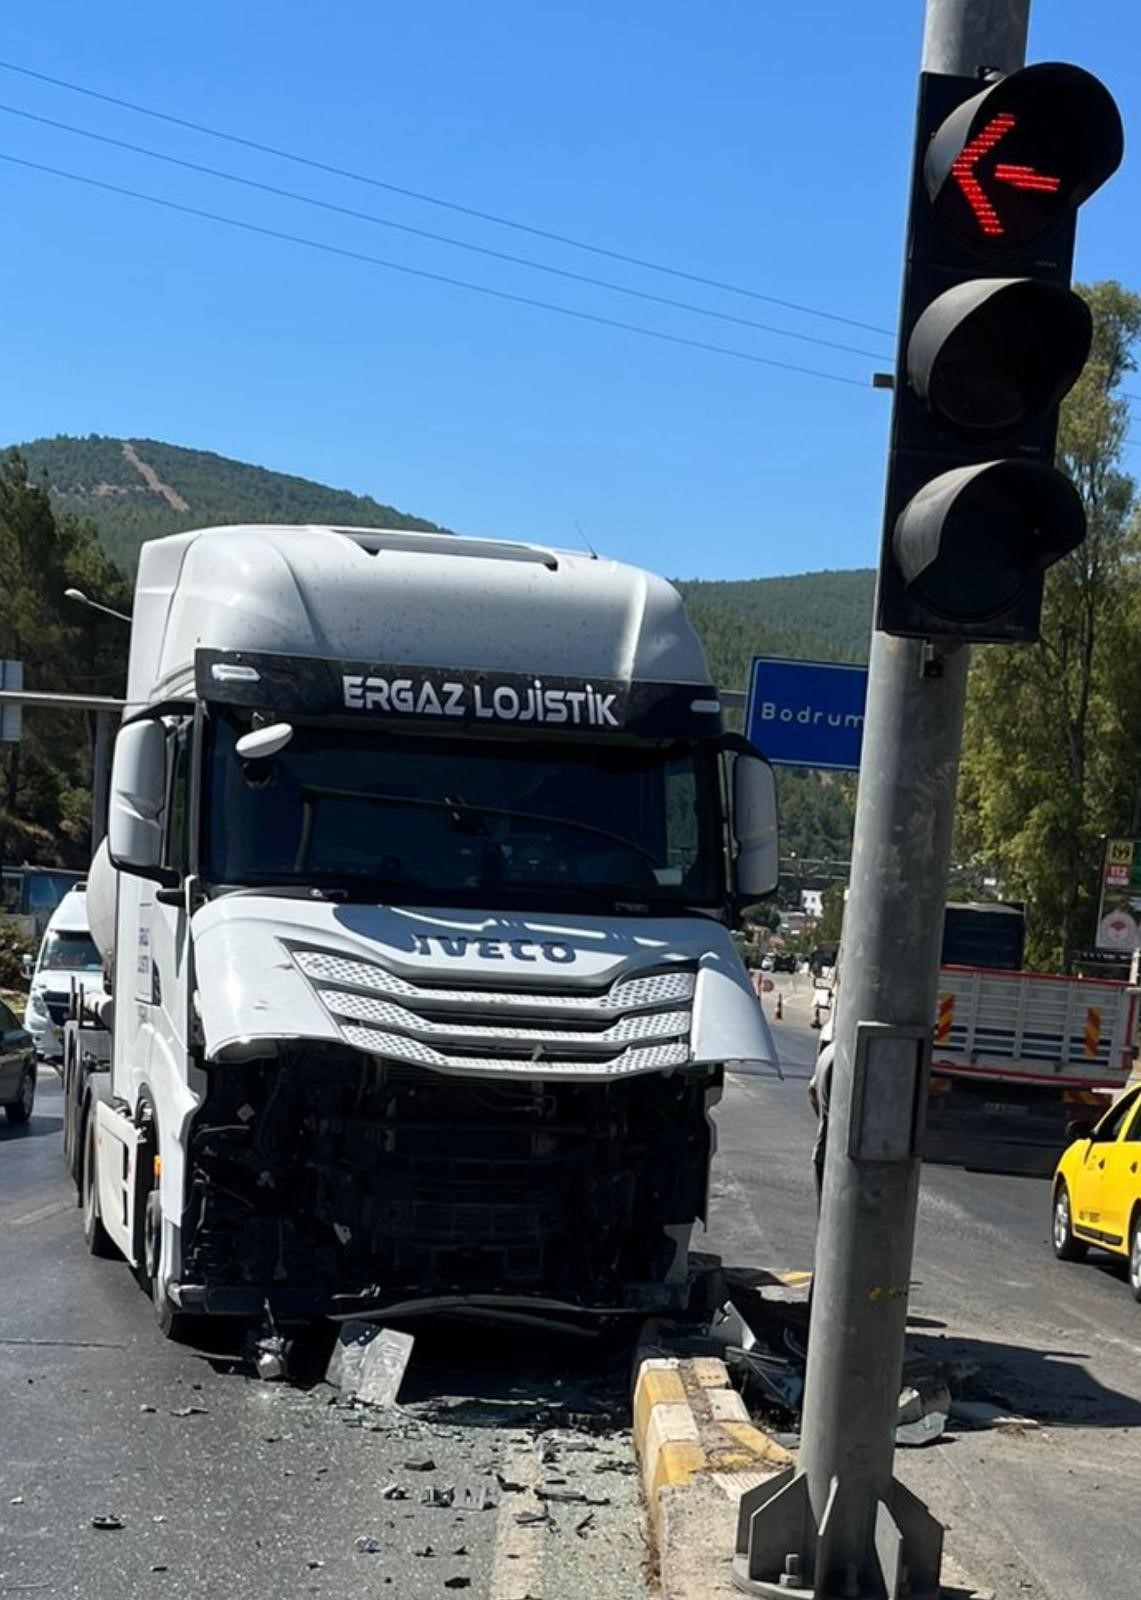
(1017, 1055)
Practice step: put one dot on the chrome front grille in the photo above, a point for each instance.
(638, 1024)
(651, 989)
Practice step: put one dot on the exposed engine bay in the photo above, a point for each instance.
(329, 1181)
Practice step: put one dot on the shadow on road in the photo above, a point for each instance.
(1048, 1386)
(35, 1128)
(474, 1375)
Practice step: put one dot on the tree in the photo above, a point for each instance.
(831, 913)
(1053, 733)
(45, 778)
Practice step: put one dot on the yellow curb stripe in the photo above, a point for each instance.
(760, 1446)
(677, 1463)
(659, 1384)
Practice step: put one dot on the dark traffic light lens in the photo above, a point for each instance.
(970, 542)
(994, 353)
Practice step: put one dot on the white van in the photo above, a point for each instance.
(67, 957)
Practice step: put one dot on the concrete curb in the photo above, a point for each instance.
(698, 1451)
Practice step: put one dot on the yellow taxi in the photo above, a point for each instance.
(1097, 1188)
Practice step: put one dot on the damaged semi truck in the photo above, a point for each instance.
(423, 855)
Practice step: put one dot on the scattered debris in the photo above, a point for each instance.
(366, 1544)
(391, 1491)
(985, 1414)
(314, 1564)
(189, 1411)
(457, 1583)
(460, 1550)
(368, 1363)
(582, 1528)
(530, 1519)
(160, 1568)
(779, 1381)
(16, 1500)
(438, 1497)
(922, 1415)
(150, 1410)
(570, 1496)
(420, 1464)
(507, 1487)
(270, 1352)
(425, 1550)
(108, 1524)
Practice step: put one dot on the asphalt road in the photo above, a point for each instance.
(264, 1490)
(1041, 1513)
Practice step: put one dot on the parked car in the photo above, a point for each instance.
(1097, 1188)
(766, 963)
(17, 1066)
(784, 963)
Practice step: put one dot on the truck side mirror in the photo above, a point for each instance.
(757, 856)
(138, 795)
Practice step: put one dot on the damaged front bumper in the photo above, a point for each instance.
(323, 1183)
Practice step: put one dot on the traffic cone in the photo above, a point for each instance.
(816, 1022)
(778, 1014)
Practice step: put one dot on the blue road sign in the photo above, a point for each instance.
(807, 713)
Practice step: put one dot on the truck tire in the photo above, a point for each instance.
(20, 1109)
(1066, 1246)
(1135, 1255)
(172, 1323)
(95, 1234)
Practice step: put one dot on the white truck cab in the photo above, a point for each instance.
(428, 849)
(68, 960)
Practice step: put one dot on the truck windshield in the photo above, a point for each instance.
(465, 820)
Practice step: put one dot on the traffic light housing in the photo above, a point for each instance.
(992, 338)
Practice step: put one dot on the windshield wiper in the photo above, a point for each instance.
(460, 811)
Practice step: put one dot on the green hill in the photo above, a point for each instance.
(822, 616)
(138, 489)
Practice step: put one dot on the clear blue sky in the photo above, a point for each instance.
(762, 144)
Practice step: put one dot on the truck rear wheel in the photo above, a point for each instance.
(1066, 1246)
(97, 1238)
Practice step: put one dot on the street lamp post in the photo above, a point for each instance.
(101, 754)
(96, 605)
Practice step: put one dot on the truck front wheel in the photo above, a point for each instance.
(173, 1324)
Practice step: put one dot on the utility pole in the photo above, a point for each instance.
(991, 338)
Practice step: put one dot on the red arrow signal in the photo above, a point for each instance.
(1027, 178)
(1019, 177)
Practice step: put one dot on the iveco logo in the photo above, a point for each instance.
(428, 944)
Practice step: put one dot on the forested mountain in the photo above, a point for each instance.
(137, 489)
(822, 616)
(128, 491)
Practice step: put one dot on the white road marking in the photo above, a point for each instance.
(52, 1209)
(517, 1560)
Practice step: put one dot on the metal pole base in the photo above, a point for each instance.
(783, 1554)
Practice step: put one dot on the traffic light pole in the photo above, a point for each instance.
(840, 1526)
